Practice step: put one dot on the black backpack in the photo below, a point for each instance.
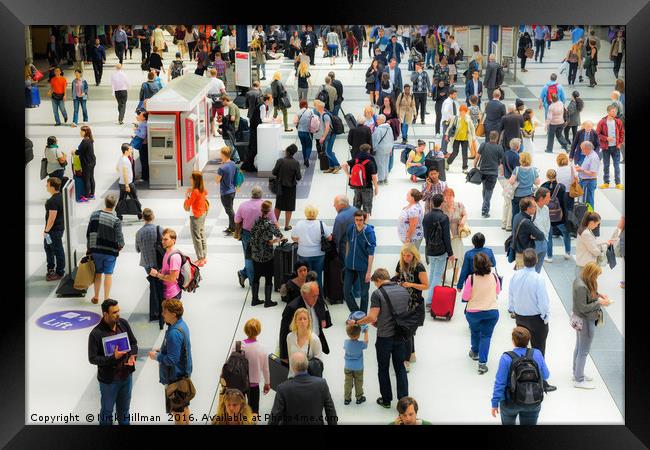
(177, 69)
(323, 96)
(435, 245)
(407, 322)
(555, 212)
(235, 370)
(526, 387)
(337, 123)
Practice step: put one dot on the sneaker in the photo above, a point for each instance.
(330, 170)
(288, 228)
(337, 169)
(482, 368)
(513, 315)
(228, 231)
(567, 256)
(583, 384)
(604, 186)
(73, 125)
(91, 197)
(548, 260)
(619, 186)
(485, 215)
(360, 400)
(380, 402)
(473, 355)
(437, 136)
(287, 130)
(256, 302)
(347, 401)
(465, 170)
(549, 387)
(586, 378)
(53, 276)
(241, 278)
(83, 199)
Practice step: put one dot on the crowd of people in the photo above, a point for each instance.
(497, 137)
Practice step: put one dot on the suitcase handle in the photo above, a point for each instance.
(444, 273)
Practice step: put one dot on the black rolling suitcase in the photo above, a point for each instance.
(284, 257)
(333, 279)
(350, 120)
(438, 163)
(574, 218)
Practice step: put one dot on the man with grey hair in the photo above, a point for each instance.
(344, 218)
(104, 242)
(586, 133)
(491, 80)
(311, 300)
(245, 217)
(334, 264)
(301, 400)
(588, 171)
(512, 123)
(382, 144)
(510, 162)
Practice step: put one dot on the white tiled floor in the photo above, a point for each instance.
(443, 380)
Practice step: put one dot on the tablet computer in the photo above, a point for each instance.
(120, 340)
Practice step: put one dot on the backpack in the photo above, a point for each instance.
(526, 386)
(314, 123)
(189, 275)
(460, 54)
(235, 370)
(435, 245)
(177, 69)
(552, 89)
(323, 96)
(555, 212)
(337, 124)
(358, 175)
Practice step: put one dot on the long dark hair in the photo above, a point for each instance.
(588, 217)
(88, 134)
(579, 102)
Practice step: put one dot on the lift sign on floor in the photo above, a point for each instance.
(68, 320)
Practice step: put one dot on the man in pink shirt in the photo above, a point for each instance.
(171, 266)
(120, 86)
(245, 217)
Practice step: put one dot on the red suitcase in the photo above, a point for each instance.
(443, 300)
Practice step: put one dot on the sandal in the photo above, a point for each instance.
(94, 300)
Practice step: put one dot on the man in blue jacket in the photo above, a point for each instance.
(395, 74)
(175, 358)
(98, 58)
(359, 254)
(394, 49)
(474, 86)
(552, 86)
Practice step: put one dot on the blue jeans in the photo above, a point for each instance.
(56, 106)
(336, 109)
(527, 414)
(58, 174)
(589, 186)
(420, 171)
(328, 145)
(405, 131)
(615, 155)
(436, 268)
(54, 252)
(306, 143)
(75, 117)
(395, 348)
(248, 263)
(567, 240)
(481, 325)
(540, 249)
(348, 279)
(316, 263)
(430, 57)
(115, 395)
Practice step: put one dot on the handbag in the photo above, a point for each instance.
(611, 256)
(237, 233)
(284, 100)
(325, 245)
(529, 52)
(76, 165)
(474, 176)
(509, 189)
(85, 275)
(38, 75)
(44, 168)
(480, 130)
(181, 391)
(576, 322)
(563, 67)
(370, 78)
(464, 231)
(58, 97)
(314, 365)
(601, 259)
(575, 190)
(600, 321)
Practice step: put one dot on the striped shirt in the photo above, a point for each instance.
(220, 67)
(104, 233)
(145, 244)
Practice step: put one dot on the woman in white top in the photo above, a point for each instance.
(588, 249)
(307, 233)
(554, 124)
(55, 159)
(565, 174)
(258, 362)
(333, 44)
(301, 338)
(409, 224)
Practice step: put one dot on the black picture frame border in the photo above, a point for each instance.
(635, 14)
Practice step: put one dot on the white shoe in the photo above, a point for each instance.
(587, 378)
(548, 260)
(567, 256)
(583, 384)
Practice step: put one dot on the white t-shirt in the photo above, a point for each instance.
(225, 44)
(125, 163)
(308, 231)
(216, 85)
(564, 176)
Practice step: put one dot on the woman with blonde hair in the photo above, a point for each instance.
(301, 338)
(196, 200)
(573, 57)
(371, 117)
(258, 362)
(586, 315)
(308, 233)
(233, 409)
(303, 80)
(457, 219)
(565, 174)
(257, 48)
(411, 274)
(280, 95)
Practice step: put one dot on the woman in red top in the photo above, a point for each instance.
(196, 200)
(353, 47)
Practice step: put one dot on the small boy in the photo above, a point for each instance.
(354, 363)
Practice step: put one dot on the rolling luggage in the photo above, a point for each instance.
(324, 162)
(278, 370)
(79, 187)
(438, 163)
(333, 279)
(350, 121)
(285, 256)
(443, 299)
(36, 96)
(574, 217)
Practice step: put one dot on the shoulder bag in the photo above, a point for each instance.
(575, 190)
(509, 189)
(180, 391)
(325, 245)
(314, 365)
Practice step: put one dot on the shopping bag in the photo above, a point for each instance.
(564, 67)
(85, 273)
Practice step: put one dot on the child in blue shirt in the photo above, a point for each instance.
(354, 363)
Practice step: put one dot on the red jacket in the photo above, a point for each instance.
(601, 131)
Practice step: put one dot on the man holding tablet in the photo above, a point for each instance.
(113, 348)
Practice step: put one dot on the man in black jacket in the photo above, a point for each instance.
(359, 32)
(493, 78)
(114, 366)
(512, 123)
(339, 93)
(301, 400)
(494, 112)
(438, 244)
(253, 99)
(54, 51)
(358, 136)
(489, 157)
(310, 299)
(586, 134)
(524, 236)
(309, 41)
